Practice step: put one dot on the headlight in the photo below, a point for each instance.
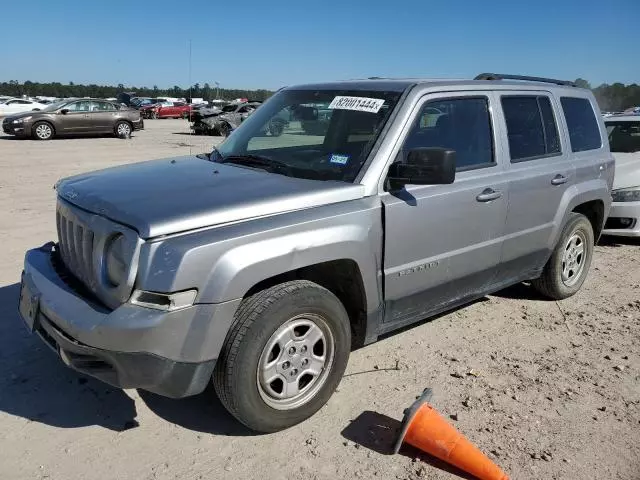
(164, 301)
(22, 120)
(114, 263)
(626, 195)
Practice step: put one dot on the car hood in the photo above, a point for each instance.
(30, 113)
(627, 170)
(167, 196)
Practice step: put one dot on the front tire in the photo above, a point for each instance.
(567, 269)
(284, 355)
(43, 131)
(223, 130)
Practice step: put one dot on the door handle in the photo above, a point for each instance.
(488, 194)
(559, 180)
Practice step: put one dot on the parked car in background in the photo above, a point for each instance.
(74, 117)
(227, 119)
(166, 110)
(624, 141)
(17, 105)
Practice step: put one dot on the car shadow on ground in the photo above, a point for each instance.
(201, 413)
(378, 432)
(37, 386)
(521, 291)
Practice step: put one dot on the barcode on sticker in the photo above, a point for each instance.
(359, 104)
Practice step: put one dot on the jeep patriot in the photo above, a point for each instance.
(260, 265)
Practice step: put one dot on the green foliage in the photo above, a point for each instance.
(56, 89)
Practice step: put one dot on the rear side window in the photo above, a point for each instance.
(582, 124)
(624, 137)
(531, 127)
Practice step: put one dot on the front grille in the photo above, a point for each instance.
(76, 243)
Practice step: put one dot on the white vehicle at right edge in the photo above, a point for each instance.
(624, 140)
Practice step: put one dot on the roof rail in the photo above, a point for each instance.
(504, 76)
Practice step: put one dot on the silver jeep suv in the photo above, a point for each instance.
(262, 264)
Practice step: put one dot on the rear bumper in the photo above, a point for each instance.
(169, 353)
(139, 125)
(623, 220)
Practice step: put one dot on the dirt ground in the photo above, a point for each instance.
(548, 390)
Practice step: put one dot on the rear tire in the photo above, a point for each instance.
(122, 129)
(42, 131)
(223, 130)
(284, 355)
(567, 269)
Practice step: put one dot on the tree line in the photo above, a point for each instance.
(615, 97)
(57, 89)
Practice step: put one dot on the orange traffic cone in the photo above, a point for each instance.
(425, 429)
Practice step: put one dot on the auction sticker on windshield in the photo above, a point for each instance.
(359, 104)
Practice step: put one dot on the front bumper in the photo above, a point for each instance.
(623, 220)
(17, 129)
(169, 353)
(138, 125)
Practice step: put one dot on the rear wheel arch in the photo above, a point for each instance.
(594, 211)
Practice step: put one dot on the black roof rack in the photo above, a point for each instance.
(504, 76)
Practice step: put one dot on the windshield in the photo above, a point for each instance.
(52, 107)
(314, 134)
(624, 136)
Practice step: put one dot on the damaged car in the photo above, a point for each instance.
(230, 118)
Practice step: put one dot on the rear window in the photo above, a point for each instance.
(531, 127)
(584, 133)
(624, 137)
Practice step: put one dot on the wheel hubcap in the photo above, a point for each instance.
(295, 362)
(573, 258)
(123, 129)
(43, 131)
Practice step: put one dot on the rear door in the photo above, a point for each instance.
(540, 170)
(76, 119)
(442, 242)
(102, 116)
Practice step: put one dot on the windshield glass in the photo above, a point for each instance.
(315, 134)
(52, 107)
(624, 136)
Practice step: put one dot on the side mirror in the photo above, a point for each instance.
(64, 111)
(424, 166)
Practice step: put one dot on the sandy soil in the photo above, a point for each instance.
(548, 390)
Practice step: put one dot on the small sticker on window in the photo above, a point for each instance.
(339, 159)
(359, 104)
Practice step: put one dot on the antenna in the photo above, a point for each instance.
(190, 93)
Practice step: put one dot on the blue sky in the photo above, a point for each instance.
(258, 44)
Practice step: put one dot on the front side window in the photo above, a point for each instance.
(531, 127)
(460, 124)
(584, 133)
(314, 134)
(624, 137)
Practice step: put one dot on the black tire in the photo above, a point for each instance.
(551, 283)
(154, 115)
(258, 317)
(122, 129)
(276, 128)
(223, 130)
(39, 129)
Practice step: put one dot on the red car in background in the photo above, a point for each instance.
(166, 110)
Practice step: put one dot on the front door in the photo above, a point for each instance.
(443, 242)
(76, 119)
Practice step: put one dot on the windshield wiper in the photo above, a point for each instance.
(250, 160)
